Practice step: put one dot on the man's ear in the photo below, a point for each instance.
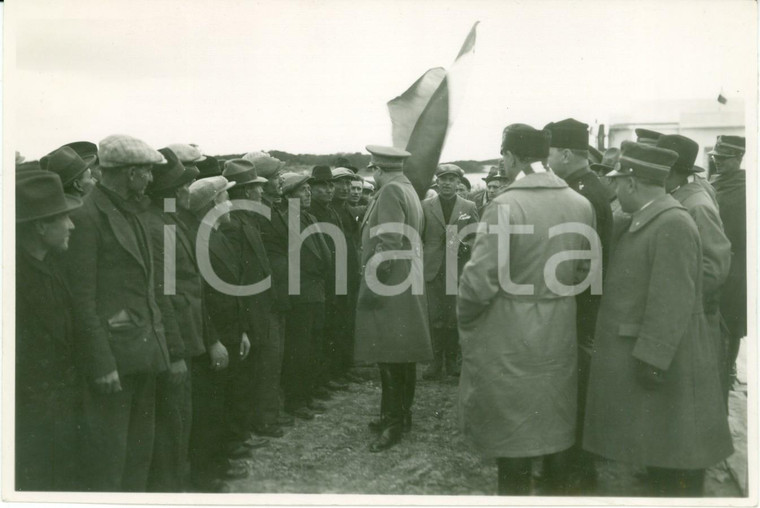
(77, 184)
(40, 227)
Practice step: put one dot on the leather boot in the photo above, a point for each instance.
(407, 396)
(452, 352)
(514, 476)
(435, 368)
(389, 437)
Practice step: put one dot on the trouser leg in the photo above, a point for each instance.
(410, 383)
(437, 337)
(297, 369)
(173, 407)
(452, 353)
(582, 470)
(267, 369)
(676, 482)
(514, 476)
(238, 399)
(207, 432)
(120, 431)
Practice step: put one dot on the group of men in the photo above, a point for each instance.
(158, 339)
(172, 314)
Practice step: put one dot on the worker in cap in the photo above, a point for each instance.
(75, 173)
(730, 191)
(262, 369)
(355, 193)
(464, 187)
(440, 212)
(331, 354)
(345, 302)
(48, 387)
(647, 136)
(515, 409)
(688, 190)
(496, 181)
(169, 190)
(392, 331)
(189, 155)
(270, 168)
(653, 343)
(112, 240)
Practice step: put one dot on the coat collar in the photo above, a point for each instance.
(546, 180)
(119, 225)
(643, 217)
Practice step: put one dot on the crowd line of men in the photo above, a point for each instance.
(161, 334)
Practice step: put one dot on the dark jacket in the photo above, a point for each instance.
(245, 239)
(348, 216)
(274, 236)
(117, 319)
(587, 184)
(188, 288)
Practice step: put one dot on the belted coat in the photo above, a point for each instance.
(393, 329)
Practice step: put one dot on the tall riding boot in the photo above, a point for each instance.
(434, 370)
(385, 403)
(676, 482)
(392, 386)
(410, 383)
(555, 472)
(451, 352)
(514, 476)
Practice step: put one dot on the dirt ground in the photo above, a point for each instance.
(329, 455)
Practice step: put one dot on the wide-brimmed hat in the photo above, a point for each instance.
(205, 190)
(729, 146)
(171, 175)
(292, 181)
(609, 159)
(266, 165)
(321, 174)
(122, 150)
(644, 161)
(594, 155)
(687, 150)
(187, 154)
(39, 194)
(208, 167)
(242, 172)
(85, 149)
(66, 164)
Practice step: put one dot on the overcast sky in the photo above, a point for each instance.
(314, 76)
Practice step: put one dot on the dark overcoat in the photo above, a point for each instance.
(392, 329)
(651, 312)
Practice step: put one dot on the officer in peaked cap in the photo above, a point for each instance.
(391, 331)
(652, 342)
(48, 387)
(730, 190)
(647, 136)
(75, 173)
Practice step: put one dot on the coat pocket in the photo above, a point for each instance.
(629, 330)
(130, 342)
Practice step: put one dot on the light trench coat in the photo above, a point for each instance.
(518, 386)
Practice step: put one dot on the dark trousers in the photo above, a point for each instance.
(301, 360)
(48, 433)
(398, 381)
(170, 468)
(267, 370)
(515, 475)
(119, 434)
(339, 334)
(581, 462)
(676, 482)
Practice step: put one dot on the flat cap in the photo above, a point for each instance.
(729, 146)
(687, 150)
(339, 173)
(449, 169)
(367, 185)
(292, 181)
(186, 153)
(205, 190)
(525, 141)
(568, 133)
(387, 157)
(242, 172)
(646, 136)
(644, 161)
(266, 165)
(122, 150)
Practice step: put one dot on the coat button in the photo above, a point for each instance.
(145, 339)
